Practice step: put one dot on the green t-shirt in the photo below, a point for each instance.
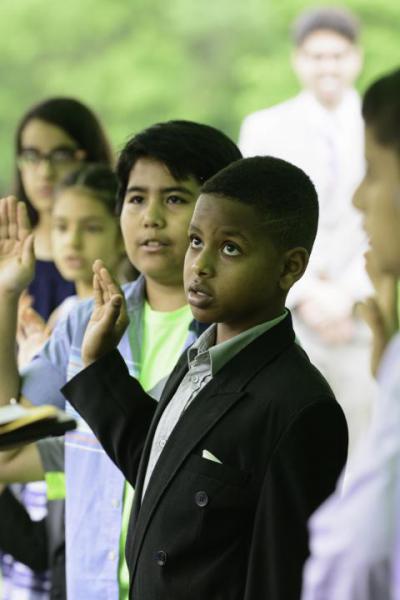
(164, 334)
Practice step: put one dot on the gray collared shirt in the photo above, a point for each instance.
(205, 359)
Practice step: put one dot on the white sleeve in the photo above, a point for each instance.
(354, 535)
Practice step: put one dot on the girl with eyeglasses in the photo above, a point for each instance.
(52, 140)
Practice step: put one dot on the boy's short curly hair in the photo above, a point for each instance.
(282, 194)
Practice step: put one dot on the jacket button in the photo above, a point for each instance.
(201, 499)
(161, 558)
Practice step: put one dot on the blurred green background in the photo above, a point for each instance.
(141, 61)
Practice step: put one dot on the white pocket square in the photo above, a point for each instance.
(208, 456)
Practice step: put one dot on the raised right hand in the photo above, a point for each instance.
(17, 260)
(109, 317)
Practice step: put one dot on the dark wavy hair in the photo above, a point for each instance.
(381, 109)
(186, 148)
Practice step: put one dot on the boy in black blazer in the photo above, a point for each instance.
(247, 439)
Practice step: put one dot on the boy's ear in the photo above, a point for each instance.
(294, 264)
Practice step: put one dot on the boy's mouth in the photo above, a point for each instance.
(199, 296)
(153, 244)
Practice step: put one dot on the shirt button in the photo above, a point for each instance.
(111, 555)
(201, 498)
(195, 378)
(161, 558)
(115, 503)
(162, 442)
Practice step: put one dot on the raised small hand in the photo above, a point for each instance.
(109, 317)
(17, 260)
(32, 331)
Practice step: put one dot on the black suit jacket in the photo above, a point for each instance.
(230, 531)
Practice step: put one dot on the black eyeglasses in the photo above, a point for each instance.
(57, 158)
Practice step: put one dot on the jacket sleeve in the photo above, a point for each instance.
(116, 408)
(303, 471)
(20, 536)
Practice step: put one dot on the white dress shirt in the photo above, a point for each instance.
(328, 146)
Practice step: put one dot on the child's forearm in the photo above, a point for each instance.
(21, 465)
(9, 375)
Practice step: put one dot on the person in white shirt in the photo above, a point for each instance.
(320, 130)
(355, 534)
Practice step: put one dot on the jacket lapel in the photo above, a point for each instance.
(210, 405)
(208, 408)
(170, 388)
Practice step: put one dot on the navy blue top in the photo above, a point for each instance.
(48, 288)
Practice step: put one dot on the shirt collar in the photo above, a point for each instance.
(221, 353)
(345, 111)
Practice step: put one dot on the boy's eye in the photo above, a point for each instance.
(195, 242)
(173, 199)
(135, 199)
(231, 249)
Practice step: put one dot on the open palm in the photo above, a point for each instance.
(109, 318)
(17, 261)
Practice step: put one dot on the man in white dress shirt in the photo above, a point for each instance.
(321, 131)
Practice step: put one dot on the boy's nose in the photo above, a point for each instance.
(203, 266)
(153, 216)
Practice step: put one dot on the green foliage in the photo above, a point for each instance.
(141, 61)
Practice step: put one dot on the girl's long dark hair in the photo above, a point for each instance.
(79, 122)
